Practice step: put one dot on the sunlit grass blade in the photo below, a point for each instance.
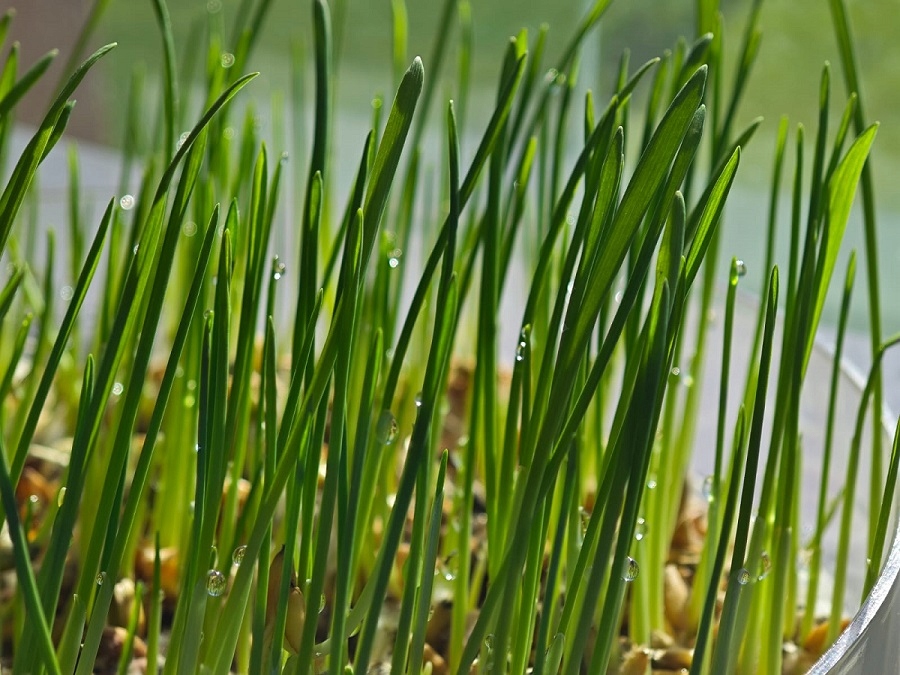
(23, 174)
(142, 470)
(843, 552)
(815, 561)
(725, 651)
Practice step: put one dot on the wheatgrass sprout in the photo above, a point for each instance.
(329, 459)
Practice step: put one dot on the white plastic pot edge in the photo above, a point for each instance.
(871, 643)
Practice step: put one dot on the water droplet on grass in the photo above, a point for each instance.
(101, 577)
(117, 389)
(127, 202)
(707, 488)
(61, 497)
(743, 577)
(189, 228)
(321, 603)
(520, 351)
(214, 6)
(181, 140)
(227, 59)
(740, 267)
(651, 482)
(394, 258)
(387, 428)
(278, 268)
(66, 293)
(631, 570)
(215, 583)
(640, 529)
(419, 400)
(237, 557)
(676, 371)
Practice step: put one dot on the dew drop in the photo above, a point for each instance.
(687, 380)
(101, 577)
(651, 482)
(278, 268)
(640, 529)
(765, 565)
(61, 497)
(189, 228)
(631, 570)
(33, 499)
(707, 488)
(489, 641)
(117, 389)
(394, 258)
(387, 428)
(618, 297)
(137, 247)
(741, 268)
(227, 59)
(189, 401)
(191, 385)
(676, 371)
(127, 202)
(215, 583)
(181, 140)
(66, 293)
(743, 577)
(520, 351)
(321, 603)
(419, 400)
(237, 556)
(228, 133)
(214, 6)
(285, 156)
(448, 574)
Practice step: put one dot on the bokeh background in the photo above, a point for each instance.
(797, 41)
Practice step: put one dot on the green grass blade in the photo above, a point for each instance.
(170, 81)
(841, 191)
(26, 82)
(23, 174)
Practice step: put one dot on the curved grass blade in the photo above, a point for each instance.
(26, 82)
(23, 174)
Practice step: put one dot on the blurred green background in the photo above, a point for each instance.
(797, 40)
